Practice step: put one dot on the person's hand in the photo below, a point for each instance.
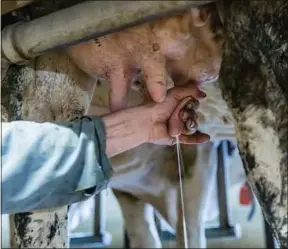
(171, 118)
(157, 123)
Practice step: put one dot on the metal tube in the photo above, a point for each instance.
(90, 19)
(100, 215)
(225, 229)
(100, 237)
(222, 184)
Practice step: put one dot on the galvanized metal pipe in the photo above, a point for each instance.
(24, 41)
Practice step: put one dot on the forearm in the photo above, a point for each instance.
(127, 129)
(49, 165)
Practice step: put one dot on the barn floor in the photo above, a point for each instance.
(252, 232)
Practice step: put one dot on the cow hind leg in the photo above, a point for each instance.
(49, 89)
(39, 229)
(139, 221)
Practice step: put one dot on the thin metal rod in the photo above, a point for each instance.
(100, 215)
(223, 183)
(180, 167)
(81, 22)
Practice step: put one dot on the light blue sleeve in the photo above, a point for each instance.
(46, 165)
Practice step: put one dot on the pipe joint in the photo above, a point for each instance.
(9, 51)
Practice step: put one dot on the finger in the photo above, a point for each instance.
(188, 114)
(197, 138)
(118, 94)
(185, 91)
(190, 127)
(175, 121)
(193, 105)
(155, 74)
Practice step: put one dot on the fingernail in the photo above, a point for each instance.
(190, 106)
(202, 94)
(184, 116)
(190, 123)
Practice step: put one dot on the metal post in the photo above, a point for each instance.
(224, 229)
(222, 183)
(99, 238)
(100, 216)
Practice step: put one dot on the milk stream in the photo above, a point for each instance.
(181, 169)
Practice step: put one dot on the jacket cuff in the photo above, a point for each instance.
(93, 127)
(103, 160)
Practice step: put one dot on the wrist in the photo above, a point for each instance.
(127, 129)
(150, 117)
(141, 121)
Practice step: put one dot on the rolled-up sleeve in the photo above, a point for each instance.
(46, 165)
